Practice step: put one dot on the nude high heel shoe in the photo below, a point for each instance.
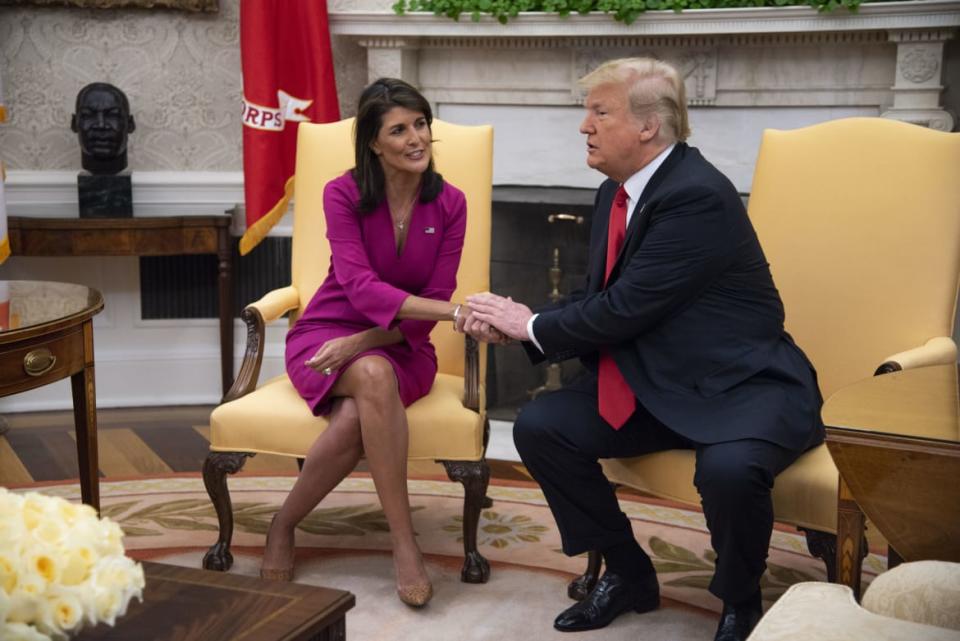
(416, 595)
(275, 574)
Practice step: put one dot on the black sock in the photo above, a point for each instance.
(628, 560)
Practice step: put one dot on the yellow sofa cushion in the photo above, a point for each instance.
(805, 494)
(273, 419)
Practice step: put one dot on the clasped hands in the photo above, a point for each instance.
(494, 319)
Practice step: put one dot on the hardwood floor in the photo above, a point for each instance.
(135, 442)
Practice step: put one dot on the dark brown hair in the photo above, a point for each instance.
(376, 100)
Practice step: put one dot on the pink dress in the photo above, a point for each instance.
(367, 282)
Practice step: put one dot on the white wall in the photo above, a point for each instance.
(541, 145)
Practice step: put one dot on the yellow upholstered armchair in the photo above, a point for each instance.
(859, 219)
(448, 425)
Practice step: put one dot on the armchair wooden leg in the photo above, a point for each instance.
(580, 587)
(823, 545)
(215, 469)
(475, 476)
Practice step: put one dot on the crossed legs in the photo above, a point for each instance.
(367, 417)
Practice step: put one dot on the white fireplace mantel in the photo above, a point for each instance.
(746, 70)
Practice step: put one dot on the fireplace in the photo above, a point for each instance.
(539, 252)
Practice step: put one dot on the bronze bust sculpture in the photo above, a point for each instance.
(102, 120)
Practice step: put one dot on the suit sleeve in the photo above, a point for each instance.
(443, 280)
(692, 237)
(378, 301)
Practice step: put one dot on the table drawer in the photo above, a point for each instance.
(30, 364)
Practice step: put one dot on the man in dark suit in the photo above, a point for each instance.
(681, 330)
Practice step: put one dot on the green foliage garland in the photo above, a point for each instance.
(623, 10)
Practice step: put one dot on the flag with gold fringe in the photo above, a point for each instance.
(287, 79)
(4, 239)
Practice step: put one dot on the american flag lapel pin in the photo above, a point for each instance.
(429, 230)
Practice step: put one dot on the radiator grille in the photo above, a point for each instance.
(186, 286)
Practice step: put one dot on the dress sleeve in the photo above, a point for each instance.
(376, 300)
(443, 280)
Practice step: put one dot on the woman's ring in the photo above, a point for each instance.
(327, 371)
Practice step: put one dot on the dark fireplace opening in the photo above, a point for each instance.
(538, 252)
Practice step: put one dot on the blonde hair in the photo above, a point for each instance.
(650, 84)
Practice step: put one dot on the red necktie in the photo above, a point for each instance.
(616, 399)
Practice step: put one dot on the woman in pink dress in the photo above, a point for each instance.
(361, 352)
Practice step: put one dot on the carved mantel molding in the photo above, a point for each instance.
(887, 56)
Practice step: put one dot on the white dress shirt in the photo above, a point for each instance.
(634, 187)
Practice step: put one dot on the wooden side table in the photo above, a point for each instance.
(46, 334)
(896, 441)
(186, 604)
(138, 236)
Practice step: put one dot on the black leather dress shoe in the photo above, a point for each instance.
(611, 597)
(737, 622)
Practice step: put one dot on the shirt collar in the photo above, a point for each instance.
(638, 182)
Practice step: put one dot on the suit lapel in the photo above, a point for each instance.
(640, 219)
(598, 253)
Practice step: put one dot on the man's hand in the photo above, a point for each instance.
(468, 323)
(504, 314)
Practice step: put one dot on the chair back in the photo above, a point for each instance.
(860, 221)
(463, 154)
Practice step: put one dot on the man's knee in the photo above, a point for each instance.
(534, 424)
(730, 478)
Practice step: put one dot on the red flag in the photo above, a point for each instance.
(4, 240)
(287, 79)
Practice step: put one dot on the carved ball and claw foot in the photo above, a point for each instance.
(581, 586)
(476, 569)
(218, 558)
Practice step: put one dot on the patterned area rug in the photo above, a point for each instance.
(344, 543)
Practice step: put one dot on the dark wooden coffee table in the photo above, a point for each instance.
(186, 604)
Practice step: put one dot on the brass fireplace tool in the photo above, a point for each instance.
(553, 378)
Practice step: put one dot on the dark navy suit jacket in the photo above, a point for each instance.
(691, 314)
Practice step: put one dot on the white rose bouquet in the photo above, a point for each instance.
(61, 567)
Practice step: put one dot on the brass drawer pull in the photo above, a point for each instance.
(39, 361)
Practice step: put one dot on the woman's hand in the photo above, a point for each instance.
(502, 313)
(333, 354)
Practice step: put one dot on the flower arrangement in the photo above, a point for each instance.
(622, 10)
(61, 567)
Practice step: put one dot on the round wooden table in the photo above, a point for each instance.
(896, 441)
(46, 334)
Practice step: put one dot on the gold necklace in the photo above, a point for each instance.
(402, 223)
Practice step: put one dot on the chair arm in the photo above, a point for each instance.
(256, 315)
(936, 351)
(471, 373)
(276, 303)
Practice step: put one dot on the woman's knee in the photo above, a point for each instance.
(345, 423)
(369, 377)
